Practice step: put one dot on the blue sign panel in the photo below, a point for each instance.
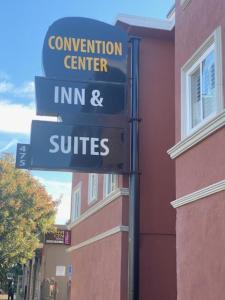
(23, 156)
(58, 97)
(84, 49)
(56, 146)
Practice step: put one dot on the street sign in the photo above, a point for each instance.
(23, 156)
(85, 64)
(84, 49)
(70, 271)
(58, 97)
(56, 146)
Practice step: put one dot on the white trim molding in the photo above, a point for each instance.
(100, 205)
(198, 195)
(99, 237)
(199, 135)
(150, 23)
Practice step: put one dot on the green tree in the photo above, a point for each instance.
(26, 213)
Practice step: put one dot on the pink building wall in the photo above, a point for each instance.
(100, 267)
(199, 225)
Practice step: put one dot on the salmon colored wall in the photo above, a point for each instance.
(105, 219)
(97, 270)
(157, 180)
(200, 237)
(200, 249)
(202, 165)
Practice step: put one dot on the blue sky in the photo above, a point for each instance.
(23, 25)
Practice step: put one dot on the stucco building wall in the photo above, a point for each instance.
(200, 219)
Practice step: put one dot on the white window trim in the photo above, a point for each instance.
(104, 184)
(213, 41)
(90, 200)
(75, 189)
(187, 130)
(215, 121)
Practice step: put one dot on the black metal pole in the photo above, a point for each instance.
(133, 255)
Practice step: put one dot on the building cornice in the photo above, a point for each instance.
(100, 205)
(144, 22)
(200, 194)
(99, 237)
(199, 135)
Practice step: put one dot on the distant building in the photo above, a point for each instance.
(48, 275)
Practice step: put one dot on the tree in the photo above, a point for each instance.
(26, 213)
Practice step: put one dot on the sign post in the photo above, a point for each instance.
(133, 255)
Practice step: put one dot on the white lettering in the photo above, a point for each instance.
(105, 147)
(94, 146)
(66, 94)
(80, 96)
(84, 144)
(56, 95)
(79, 145)
(54, 144)
(75, 145)
(66, 144)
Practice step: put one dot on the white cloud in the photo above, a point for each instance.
(25, 91)
(57, 189)
(6, 87)
(9, 145)
(16, 118)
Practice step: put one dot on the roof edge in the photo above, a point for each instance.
(144, 22)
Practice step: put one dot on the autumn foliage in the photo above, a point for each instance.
(26, 213)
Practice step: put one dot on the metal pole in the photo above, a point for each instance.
(133, 255)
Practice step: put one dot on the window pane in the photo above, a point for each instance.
(114, 182)
(195, 98)
(208, 85)
(93, 187)
(76, 205)
(110, 183)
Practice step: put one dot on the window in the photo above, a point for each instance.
(92, 187)
(184, 3)
(110, 183)
(201, 89)
(201, 94)
(76, 203)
